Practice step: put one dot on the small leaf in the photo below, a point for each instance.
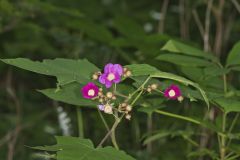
(234, 55)
(228, 104)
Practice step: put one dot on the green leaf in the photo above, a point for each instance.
(184, 60)
(71, 148)
(69, 93)
(178, 47)
(66, 70)
(204, 152)
(234, 55)
(228, 104)
(213, 71)
(144, 69)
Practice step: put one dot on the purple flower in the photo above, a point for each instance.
(112, 74)
(90, 90)
(101, 107)
(172, 92)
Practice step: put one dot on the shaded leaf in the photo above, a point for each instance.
(71, 148)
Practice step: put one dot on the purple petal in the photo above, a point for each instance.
(102, 78)
(86, 89)
(176, 89)
(108, 68)
(108, 84)
(101, 107)
(117, 78)
(118, 69)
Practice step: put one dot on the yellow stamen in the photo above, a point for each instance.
(111, 77)
(91, 92)
(171, 93)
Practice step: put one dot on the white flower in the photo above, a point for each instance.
(108, 109)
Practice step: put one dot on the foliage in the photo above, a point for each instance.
(192, 44)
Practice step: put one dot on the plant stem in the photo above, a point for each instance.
(80, 122)
(232, 126)
(112, 130)
(113, 138)
(223, 138)
(149, 130)
(103, 120)
(137, 97)
(139, 88)
(225, 83)
(178, 116)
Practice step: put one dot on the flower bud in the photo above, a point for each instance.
(94, 76)
(128, 73)
(114, 97)
(100, 93)
(154, 86)
(124, 104)
(129, 108)
(128, 117)
(180, 98)
(149, 90)
(101, 100)
(109, 94)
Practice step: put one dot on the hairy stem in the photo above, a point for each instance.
(178, 116)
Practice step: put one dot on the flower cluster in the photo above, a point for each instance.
(107, 97)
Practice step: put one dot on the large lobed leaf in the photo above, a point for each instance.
(71, 148)
(69, 93)
(66, 70)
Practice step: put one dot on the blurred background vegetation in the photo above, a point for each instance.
(102, 31)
